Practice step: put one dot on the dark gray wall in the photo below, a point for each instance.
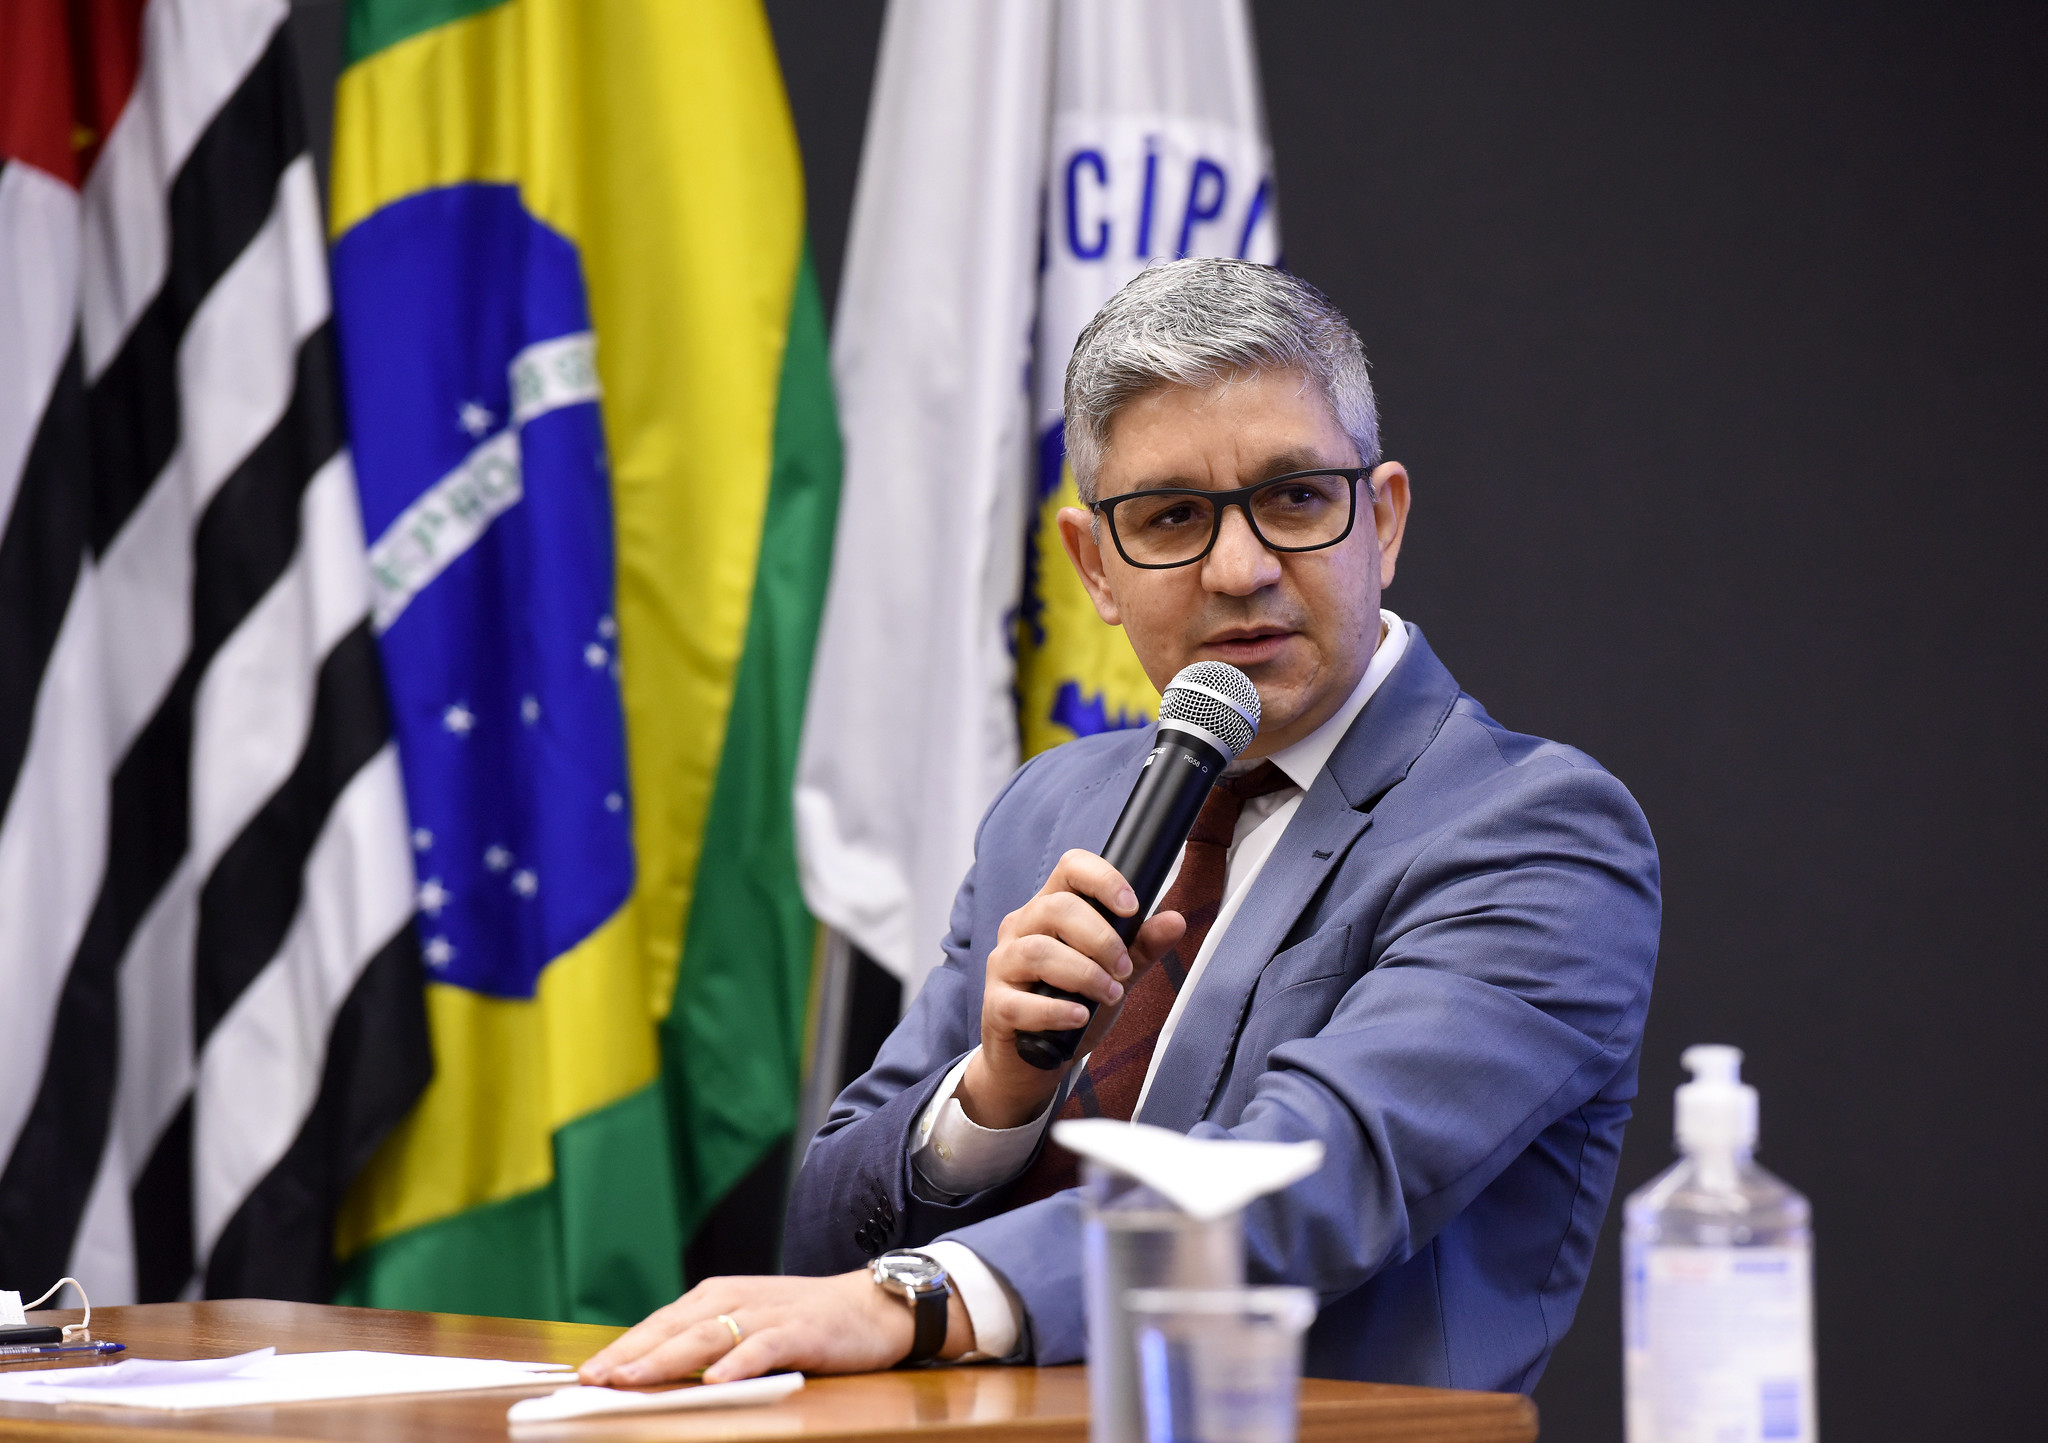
(1717, 345)
(828, 64)
(1715, 338)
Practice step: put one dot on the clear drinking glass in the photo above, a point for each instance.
(1135, 1238)
(1220, 1365)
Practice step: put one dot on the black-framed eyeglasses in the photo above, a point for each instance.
(1178, 526)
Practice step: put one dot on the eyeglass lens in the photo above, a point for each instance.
(1296, 513)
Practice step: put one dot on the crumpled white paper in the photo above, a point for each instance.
(1205, 1177)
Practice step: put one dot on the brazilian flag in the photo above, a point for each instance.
(585, 370)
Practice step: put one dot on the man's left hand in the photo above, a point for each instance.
(842, 1324)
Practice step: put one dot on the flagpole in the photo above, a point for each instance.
(825, 1049)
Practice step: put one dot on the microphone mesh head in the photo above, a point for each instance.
(1218, 698)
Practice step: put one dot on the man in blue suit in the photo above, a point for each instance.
(1398, 928)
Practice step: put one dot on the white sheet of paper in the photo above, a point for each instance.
(136, 1372)
(267, 1376)
(584, 1402)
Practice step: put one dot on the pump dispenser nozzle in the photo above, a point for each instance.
(1716, 1110)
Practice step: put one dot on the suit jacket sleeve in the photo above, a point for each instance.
(857, 1194)
(1503, 983)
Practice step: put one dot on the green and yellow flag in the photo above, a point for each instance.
(591, 420)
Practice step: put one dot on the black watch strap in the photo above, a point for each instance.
(928, 1310)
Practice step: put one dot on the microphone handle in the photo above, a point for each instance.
(1143, 845)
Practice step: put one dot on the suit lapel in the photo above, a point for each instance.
(1322, 830)
(1090, 811)
(1395, 727)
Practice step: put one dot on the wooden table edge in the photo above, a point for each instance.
(1330, 1409)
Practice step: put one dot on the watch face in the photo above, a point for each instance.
(916, 1270)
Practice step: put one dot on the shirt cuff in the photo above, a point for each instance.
(991, 1306)
(957, 1155)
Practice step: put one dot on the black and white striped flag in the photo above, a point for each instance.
(210, 991)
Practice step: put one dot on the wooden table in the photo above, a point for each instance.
(942, 1405)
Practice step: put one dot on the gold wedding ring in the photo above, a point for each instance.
(732, 1328)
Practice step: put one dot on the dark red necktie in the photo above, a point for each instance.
(1115, 1074)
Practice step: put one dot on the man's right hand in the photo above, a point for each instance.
(1056, 938)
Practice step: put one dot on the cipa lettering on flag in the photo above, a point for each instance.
(1127, 183)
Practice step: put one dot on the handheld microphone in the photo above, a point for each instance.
(1208, 716)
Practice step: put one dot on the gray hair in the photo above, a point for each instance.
(1202, 321)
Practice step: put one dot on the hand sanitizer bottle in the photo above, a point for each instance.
(1717, 1295)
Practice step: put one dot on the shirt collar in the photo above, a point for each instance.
(1305, 758)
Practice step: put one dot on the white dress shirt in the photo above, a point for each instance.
(956, 1155)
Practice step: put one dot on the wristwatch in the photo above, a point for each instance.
(920, 1281)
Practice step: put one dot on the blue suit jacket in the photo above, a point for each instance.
(1441, 972)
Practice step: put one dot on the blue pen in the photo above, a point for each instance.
(51, 1350)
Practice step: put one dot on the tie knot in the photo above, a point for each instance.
(1261, 780)
(1217, 821)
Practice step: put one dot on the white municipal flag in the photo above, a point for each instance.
(1024, 158)
(1158, 150)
